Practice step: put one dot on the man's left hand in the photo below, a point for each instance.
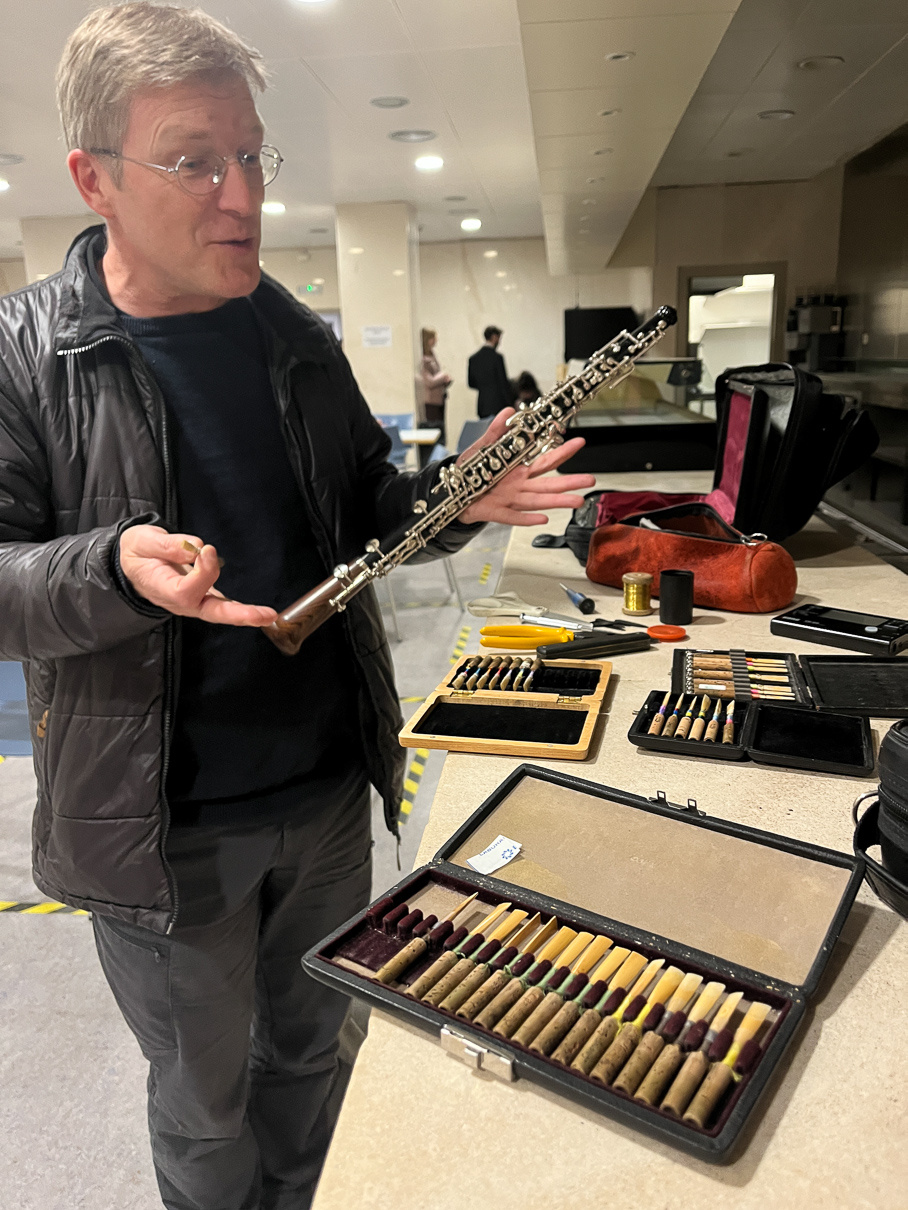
(516, 499)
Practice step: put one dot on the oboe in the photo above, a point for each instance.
(532, 430)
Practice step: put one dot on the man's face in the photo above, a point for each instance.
(203, 248)
(495, 340)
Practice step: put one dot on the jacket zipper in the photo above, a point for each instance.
(167, 713)
(318, 527)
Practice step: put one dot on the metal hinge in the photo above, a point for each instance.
(478, 1057)
(462, 692)
(567, 697)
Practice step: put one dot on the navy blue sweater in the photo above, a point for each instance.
(257, 735)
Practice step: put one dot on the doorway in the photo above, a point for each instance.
(730, 315)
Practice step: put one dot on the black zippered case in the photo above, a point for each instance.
(782, 443)
(659, 879)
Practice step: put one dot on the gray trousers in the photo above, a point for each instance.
(243, 1086)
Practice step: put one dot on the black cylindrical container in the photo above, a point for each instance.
(676, 597)
(893, 817)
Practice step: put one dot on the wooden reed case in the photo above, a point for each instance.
(613, 998)
(555, 717)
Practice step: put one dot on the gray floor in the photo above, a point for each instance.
(72, 1118)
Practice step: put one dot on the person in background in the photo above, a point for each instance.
(435, 383)
(486, 374)
(527, 388)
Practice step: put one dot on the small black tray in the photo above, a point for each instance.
(769, 733)
(869, 685)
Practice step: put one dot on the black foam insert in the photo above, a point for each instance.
(851, 684)
(552, 679)
(784, 731)
(474, 720)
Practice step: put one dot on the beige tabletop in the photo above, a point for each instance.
(420, 1131)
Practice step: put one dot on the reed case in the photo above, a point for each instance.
(555, 718)
(799, 712)
(686, 903)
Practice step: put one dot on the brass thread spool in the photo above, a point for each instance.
(637, 587)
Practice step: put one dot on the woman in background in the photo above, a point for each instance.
(435, 383)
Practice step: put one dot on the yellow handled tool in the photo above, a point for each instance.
(522, 638)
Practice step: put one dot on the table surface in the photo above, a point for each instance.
(421, 1131)
(420, 436)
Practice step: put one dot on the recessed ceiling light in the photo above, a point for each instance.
(273, 207)
(4, 185)
(619, 56)
(357, 251)
(318, 230)
(594, 180)
(501, 273)
(775, 115)
(389, 102)
(311, 1)
(397, 272)
(608, 113)
(470, 224)
(8, 158)
(318, 281)
(588, 201)
(736, 155)
(429, 163)
(603, 151)
(412, 136)
(490, 254)
(820, 62)
(456, 197)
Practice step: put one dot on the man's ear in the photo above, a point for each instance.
(93, 182)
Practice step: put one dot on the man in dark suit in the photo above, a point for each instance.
(487, 375)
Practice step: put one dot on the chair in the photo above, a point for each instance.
(403, 420)
(398, 455)
(471, 431)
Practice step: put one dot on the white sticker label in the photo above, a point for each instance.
(497, 854)
(377, 336)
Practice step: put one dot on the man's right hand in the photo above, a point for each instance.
(164, 569)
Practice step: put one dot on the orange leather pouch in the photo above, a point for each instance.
(737, 572)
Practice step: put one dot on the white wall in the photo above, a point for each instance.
(45, 241)
(462, 292)
(12, 275)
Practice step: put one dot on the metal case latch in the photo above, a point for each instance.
(690, 809)
(478, 1057)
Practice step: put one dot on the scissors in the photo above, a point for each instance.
(523, 638)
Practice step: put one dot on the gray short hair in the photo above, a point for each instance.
(120, 49)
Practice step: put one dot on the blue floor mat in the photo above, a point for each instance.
(15, 738)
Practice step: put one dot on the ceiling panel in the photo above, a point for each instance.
(570, 81)
(282, 29)
(455, 24)
(532, 11)
(837, 111)
(567, 55)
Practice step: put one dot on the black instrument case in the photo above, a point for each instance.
(757, 911)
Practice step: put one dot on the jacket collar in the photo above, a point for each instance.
(87, 315)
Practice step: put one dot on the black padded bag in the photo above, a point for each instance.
(885, 822)
(893, 820)
(801, 442)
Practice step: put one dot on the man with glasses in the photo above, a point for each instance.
(170, 420)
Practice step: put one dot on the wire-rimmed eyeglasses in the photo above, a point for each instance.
(205, 172)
